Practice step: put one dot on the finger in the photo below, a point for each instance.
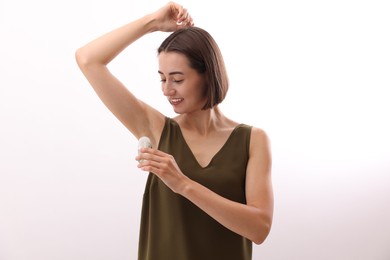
(175, 10)
(182, 19)
(185, 15)
(150, 156)
(187, 21)
(142, 157)
(149, 168)
(191, 22)
(182, 16)
(146, 150)
(153, 151)
(146, 168)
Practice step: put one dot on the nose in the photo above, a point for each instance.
(167, 90)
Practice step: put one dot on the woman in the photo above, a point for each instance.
(209, 191)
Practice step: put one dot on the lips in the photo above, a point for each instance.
(175, 101)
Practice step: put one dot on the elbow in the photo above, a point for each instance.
(259, 240)
(81, 59)
(261, 234)
(86, 61)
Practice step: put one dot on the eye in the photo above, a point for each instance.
(177, 80)
(163, 80)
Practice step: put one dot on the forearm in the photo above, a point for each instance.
(248, 221)
(105, 48)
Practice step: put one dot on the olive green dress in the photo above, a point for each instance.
(172, 227)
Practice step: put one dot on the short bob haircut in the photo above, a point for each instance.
(204, 56)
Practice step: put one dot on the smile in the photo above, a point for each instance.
(175, 101)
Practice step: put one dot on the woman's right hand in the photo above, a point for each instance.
(172, 17)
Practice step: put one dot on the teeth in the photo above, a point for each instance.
(175, 100)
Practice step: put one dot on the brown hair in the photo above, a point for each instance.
(204, 56)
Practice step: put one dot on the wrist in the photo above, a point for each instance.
(150, 23)
(186, 187)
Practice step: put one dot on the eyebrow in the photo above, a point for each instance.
(173, 73)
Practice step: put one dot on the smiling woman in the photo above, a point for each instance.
(315, 74)
(209, 191)
(181, 84)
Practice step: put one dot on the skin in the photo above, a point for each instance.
(183, 88)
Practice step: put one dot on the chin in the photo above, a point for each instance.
(178, 112)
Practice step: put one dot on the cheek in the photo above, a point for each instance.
(203, 91)
(204, 87)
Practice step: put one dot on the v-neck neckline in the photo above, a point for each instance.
(215, 155)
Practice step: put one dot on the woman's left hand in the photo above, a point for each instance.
(164, 166)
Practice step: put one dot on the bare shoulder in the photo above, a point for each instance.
(259, 136)
(260, 143)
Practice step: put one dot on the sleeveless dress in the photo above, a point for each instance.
(172, 227)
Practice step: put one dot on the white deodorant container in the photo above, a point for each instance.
(144, 142)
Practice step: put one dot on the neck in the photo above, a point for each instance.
(203, 121)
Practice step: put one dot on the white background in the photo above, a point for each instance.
(313, 74)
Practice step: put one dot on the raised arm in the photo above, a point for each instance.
(93, 58)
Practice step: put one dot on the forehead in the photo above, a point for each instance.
(172, 61)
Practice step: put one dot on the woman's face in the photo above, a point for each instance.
(182, 85)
